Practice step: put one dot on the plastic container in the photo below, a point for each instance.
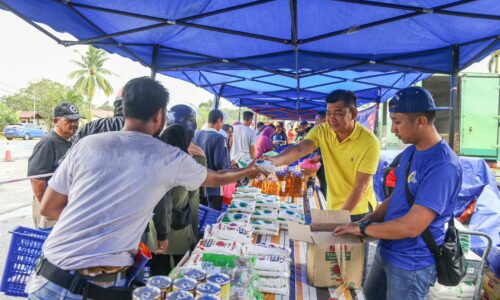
(24, 251)
(207, 216)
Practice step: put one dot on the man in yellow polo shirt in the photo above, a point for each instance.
(350, 154)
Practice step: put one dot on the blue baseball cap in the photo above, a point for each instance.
(413, 100)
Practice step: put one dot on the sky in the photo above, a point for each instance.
(28, 55)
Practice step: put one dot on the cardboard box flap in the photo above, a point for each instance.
(328, 238)
(299, 232)
(327, 220)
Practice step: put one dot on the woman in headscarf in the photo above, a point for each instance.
(185, 204)
(264, 142)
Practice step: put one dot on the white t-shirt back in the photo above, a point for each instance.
(113, 182)
(243, 138)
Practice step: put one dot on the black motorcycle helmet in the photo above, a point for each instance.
(184, 115)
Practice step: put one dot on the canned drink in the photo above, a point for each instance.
(164, 283)
(194, 273)
(224, 281)
(208, 288)
(180, 295)
(207, 297)
(146, 293)
(184, 284)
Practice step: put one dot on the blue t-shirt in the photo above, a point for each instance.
(434, 179)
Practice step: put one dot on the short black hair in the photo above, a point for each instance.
(260, 124)
(321, 114)
(143, 97)
(226, 127)
(429, 115)
(214, 115)
(348, 97)
(247, 115)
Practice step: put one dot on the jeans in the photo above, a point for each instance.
(387, 281)
(52, 291)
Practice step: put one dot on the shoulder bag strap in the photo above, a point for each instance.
(426, 235)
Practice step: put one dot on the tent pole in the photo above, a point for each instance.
(154, 65)
(239, 114)
(453, 94)
(293, 11)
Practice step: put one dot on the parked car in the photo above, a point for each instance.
(25, 131)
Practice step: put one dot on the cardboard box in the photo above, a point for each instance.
(324, 250)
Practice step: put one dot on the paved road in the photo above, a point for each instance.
(15, 198)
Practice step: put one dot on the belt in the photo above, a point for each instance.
(80, 284)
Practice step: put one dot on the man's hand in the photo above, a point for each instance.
(162, 247)
(351, 228)
(253, 171)
(194, 149)
(315, 159)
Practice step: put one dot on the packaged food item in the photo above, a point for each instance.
(230, 232)
(146, 293)
(291, 215)
(265, 227)
(224, 282)
(217, 246)
(230, 217)
(272, 285)
(258, 182)
(208, 297)
(163, 283)
(272, 263)
(180, 295)
(195, 273)
(244, 196)
(292, 206)
(272, 185)
(242, 206)
(195, 261)
(208, 288)
(265, 214)
(273, 274)
(248, 189)
(267, 204)
(184, 284)
(266, 166)
(266, 249)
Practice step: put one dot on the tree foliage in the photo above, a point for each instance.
(231, 114)
(7, 116)
(91, 74)
(47, 95)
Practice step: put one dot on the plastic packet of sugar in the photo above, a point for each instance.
(248, 189)
(265, 214)
(228, 232)
(244, 206)
(266, 249)
(230, 217)
(266, 166)
(218, 247)
(272, 263)
(291, 215)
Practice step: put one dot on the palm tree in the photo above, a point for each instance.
(494, 62)
(91, 74)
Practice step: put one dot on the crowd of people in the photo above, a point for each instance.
(142, 175)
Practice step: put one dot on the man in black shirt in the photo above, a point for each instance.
(47, 153)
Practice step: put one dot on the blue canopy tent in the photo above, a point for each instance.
(285, 40)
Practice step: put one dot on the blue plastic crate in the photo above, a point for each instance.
(24, 251)
(207, 216)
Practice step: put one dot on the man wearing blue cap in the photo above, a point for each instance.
(404, 267)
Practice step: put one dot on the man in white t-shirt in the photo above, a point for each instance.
(103, 195)
(243, 140)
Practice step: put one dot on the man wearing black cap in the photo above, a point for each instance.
(47, 153)
(404, 267)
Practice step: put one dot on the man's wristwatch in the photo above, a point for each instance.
(362, 227)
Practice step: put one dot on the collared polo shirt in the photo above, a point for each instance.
(359, 152)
